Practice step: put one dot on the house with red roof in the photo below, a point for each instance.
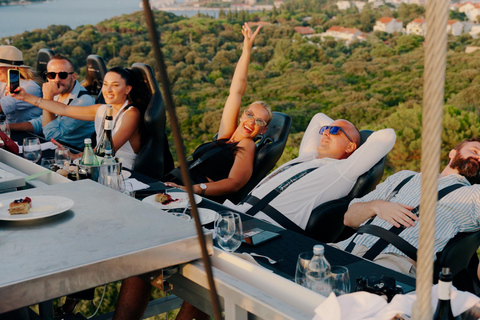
(388, 25)
(346, 34)
(454, 27)
(417, 26)
(304, 31)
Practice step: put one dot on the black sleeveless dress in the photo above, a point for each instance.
(215, 167)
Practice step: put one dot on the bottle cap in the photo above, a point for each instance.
(87, 140)
(318, 249)
(109, 111)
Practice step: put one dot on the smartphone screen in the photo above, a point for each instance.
(256, 236)
(13, 79)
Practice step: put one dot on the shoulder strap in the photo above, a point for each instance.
(382, 243)
(80, 93)
(392, 194)
(205, 156)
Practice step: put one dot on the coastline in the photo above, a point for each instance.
(21, 3)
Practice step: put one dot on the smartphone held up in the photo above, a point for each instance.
(13, 79)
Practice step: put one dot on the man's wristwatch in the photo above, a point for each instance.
(203, 187)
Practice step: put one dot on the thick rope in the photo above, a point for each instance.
(433, 95)
(168, 98)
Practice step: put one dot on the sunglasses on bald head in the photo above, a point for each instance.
(62, 75)
(249, 115)
(334, 130)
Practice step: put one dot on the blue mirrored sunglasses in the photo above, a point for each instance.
(334, 130)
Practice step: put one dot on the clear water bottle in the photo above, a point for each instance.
(88, 158)
(108, 159)
(318, 272)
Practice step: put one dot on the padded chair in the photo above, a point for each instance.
(43, 56)
(154, 158)
(326, 221)
(269, 148)
(460, 255)
(96, 70)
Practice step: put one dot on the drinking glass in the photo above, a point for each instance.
(47, 162)
(340, 280)
(32, 149)
(228, 230)
(62, 155)
(111, 177)
(302, 266)
(4, 127)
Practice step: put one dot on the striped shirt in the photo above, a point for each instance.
(458, 211)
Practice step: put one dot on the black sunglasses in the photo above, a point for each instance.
(334, 130)
(62, 75)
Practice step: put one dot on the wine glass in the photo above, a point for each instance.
(32, 149)
(302, 266)
(4, 126)
(228, 230)
(340, 280)
(62, 155)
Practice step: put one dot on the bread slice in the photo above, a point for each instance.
(20, 206)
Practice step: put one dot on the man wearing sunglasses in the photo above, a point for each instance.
(327, 168)
(62, 86)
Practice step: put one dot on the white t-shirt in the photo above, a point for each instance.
(332, 180)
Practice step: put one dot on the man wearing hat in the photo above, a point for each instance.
(17, 110)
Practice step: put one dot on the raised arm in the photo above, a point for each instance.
(231, 111)
(312, 136)
(80, 113)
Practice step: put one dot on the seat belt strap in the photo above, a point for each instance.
(379, 246)
(392, 194)
(276, 215)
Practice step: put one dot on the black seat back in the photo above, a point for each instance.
(460, 256)
(326, 221)
(154, 158)
(43, 56)
(96, 70)
(269, 148)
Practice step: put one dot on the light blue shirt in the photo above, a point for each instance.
(458, 211)
(65, 129)
(18, 110)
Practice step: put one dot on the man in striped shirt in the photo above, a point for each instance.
(458, 211)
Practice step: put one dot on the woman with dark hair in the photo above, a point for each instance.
(118, 92)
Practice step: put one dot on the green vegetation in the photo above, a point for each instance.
(375, 84)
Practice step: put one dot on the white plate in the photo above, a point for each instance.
(182, 201)
(42, 207)
(206, 215)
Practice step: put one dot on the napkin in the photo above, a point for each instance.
(136, 185)
(44, 146)
(369, 306)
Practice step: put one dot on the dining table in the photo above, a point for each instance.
(107, 236)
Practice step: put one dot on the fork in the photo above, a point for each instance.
(270, 260)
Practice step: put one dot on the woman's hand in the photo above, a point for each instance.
(174, 185)
(249, 37)
(19, 94)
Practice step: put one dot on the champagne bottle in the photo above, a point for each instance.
(88, 158)
(444, 308)
(106, 143)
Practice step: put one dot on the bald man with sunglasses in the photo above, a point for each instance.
(327, 168)
(62, 86)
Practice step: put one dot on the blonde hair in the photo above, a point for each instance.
(267, 107)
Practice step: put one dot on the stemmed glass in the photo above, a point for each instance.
(32, 149)
(228, 230)
(62, 155)
(302, 266)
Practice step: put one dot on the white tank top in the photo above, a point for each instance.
(126, 152)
